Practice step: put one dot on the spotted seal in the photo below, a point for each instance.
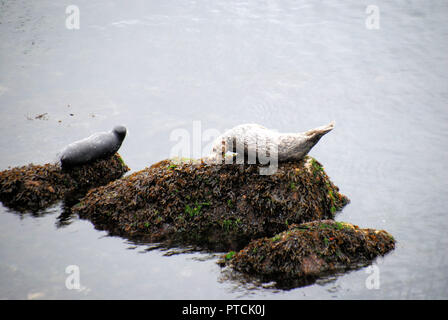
(256, 141)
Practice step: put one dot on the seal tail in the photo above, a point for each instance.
(318, 132)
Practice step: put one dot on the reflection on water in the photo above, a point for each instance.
(289, 65)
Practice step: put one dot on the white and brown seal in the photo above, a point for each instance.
(256, 141)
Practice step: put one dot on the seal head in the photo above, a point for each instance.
(120, 132)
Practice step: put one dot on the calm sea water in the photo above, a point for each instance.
(157, 66)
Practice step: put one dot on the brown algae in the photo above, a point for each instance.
(35, 187)
(220, 207)
(307, 251)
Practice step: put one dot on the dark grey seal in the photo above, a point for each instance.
(97, 146)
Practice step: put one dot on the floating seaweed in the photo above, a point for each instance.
(220, 207)
(306, 252)
(35, 187)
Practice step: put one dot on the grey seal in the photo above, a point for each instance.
(255, 140)
(97, 146)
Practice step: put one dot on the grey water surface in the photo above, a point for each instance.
(157, 66)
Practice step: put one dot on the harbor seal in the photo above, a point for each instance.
(259, 144)
(97, 146)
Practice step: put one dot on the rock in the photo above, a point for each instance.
(305, 252)
(219, 207)
(35, 187)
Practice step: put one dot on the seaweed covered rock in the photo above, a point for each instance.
(214, 206)
(35, 187)
(305, 252)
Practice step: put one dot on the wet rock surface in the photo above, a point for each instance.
(305, 252)
(277, 227)
(219, 207)
(35, 187)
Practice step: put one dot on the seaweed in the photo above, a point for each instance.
(36, 187)
(276, 227)
(306, 252)
(218, 207)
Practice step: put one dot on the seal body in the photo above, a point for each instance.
(97, 146)
(255, 141)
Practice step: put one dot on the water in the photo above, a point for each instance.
(157, 66)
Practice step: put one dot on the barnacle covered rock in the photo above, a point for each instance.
(35, 187)
(305, 252)
(210, 205)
